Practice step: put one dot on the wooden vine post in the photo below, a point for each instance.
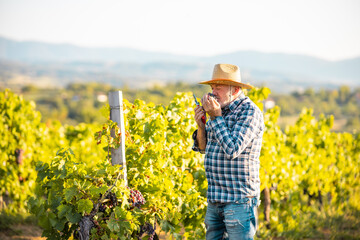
(117, 115)
(267, 206)
(266, 191)
(117, 158)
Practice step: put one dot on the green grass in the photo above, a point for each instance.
(314, 221)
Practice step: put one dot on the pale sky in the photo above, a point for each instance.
(328, 29)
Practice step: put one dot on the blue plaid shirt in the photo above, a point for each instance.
(232, 152)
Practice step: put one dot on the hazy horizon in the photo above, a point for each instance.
(328, 30)
(165, 52)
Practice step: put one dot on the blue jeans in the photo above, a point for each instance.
(233, 221)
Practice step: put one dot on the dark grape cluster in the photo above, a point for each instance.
(102, 208)
(113, 199)
(149, 229)
(112, 203)
(136, 198)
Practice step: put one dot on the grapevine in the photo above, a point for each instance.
(304, 168)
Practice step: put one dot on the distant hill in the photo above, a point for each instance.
(64, 63)
(43, 52)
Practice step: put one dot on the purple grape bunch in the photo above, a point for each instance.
(113, 199)
(136, 198)
(149, 229)
(112, 203)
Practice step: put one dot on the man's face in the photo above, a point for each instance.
(222, 93)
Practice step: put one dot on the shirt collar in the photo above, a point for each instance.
(233, 105)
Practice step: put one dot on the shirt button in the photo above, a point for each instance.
(207, 169)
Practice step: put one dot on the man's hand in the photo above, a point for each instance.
(199, 113)
(211, 106)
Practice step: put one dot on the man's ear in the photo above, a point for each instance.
(237, 90)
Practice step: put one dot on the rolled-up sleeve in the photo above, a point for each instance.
(195, 146)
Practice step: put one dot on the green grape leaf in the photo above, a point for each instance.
(60, 224)
(96, 191)
(73, 217)
(44, 221)
(113, 225)
(63, 210)
(70, 193)
(85, 206)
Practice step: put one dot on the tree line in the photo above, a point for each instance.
(80, 102)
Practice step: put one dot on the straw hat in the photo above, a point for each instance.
(226, 74)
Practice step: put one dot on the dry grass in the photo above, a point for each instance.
(22, 231)
(33, 232)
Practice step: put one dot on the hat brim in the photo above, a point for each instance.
(227, 82)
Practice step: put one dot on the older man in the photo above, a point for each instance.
(231, 141)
